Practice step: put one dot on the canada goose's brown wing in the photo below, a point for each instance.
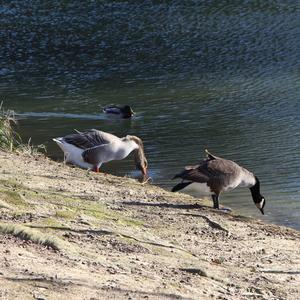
(222, 173)
(220, 167)
(193, 173)
(90, 138)
(217, 172)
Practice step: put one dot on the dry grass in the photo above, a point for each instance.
(4, 204)
(30, 234)
(32, 150)
(10, 140)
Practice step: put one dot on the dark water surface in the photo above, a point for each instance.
(200, 74)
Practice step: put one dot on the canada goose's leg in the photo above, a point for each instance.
(215, 200)
(216, 204)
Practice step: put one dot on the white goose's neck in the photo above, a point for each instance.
(124, 148)
(247, 179)
(130, 145)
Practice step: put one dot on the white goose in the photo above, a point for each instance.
(90, 149)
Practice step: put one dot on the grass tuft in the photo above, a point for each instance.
(32, 150)
(30, 234)
(4, 204)
(10, 140)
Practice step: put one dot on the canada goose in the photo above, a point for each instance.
(215, 175)
(124, 112)
(90, 149)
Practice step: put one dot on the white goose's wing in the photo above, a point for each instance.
(90, 139)
(100, 153)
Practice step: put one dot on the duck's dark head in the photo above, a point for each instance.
(258, 199)
(127, 111)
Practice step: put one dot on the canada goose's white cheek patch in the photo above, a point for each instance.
(260, 205)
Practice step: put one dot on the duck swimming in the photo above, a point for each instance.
(216, 175)
(90, 149)
(124, 112)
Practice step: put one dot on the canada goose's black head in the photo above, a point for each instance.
(258, 199)
(127, 111)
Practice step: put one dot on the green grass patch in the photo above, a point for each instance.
(100, 212)
(69, 207)
(12, 184)
(12, 197)
(95, 210)
(51, 222)
(66, 214)
(130, 222)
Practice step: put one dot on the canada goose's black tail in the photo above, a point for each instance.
(180, 186)
(179, 175)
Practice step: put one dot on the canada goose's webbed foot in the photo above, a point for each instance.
(225, 209)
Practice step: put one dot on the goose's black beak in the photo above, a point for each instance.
(262, 211)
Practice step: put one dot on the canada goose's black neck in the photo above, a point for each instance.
(255, 191)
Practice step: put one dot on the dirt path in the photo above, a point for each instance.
(94, 236)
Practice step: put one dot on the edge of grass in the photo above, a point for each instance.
(30, 234)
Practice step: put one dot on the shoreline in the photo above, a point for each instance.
(71, 233)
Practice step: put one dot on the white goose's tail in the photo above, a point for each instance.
(72, 154)
(60, 142)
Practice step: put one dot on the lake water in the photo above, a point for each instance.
(199, 74)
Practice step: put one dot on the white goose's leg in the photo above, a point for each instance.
(65, 158)
(96, 168)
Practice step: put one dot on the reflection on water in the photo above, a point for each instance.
(50, 115)
(199, 75)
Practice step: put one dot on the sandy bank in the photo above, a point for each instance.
(92, 236)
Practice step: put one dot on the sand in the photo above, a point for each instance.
(72, 234)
